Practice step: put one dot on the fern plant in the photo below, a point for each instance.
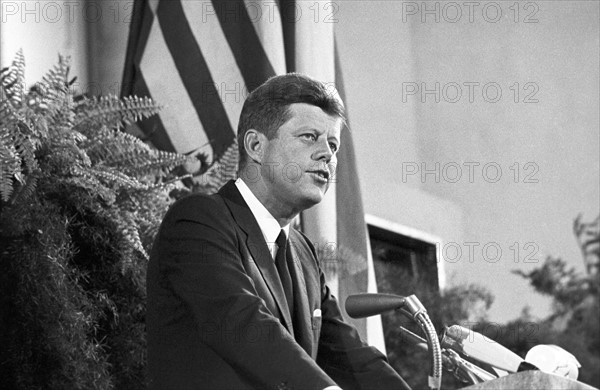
(80, 203)
(218, 173)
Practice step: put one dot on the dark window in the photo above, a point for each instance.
(403, 263)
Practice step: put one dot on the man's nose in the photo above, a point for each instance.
(323, 151)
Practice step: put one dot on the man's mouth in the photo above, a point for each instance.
(323, 174)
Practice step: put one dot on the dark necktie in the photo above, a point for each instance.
(283, 269)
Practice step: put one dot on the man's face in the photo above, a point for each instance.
(299, 162)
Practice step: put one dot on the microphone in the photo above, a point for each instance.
(481, 348)
(365, 305)
(553, 359)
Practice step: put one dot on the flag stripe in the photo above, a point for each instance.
(219, 60)
(136, 44)
(289, 32)
(247, 49)
(195, 75)
(133, 80)
(267, 23)
(167, 87)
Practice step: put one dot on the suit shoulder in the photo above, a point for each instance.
(198, 206)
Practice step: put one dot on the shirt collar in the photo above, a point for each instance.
(269, 226)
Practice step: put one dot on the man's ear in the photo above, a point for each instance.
(255, 143)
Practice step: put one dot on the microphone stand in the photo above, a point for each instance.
(414, 308)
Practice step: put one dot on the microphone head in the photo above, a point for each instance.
(554, 359)
(365, 305)
(481, 348)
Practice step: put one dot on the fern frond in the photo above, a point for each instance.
(17, 160)
(6, 187)
(221, 171)
(159, 163)
(26, 150)
(12, 80)
(132, 235)
(51, 98)
(130, 246)
(8, 115)
(10, 164)
(115, 179)
(55, 104)
(58, 76)
(112, 112)
(170, 184)
(26, 189)
(134, 157)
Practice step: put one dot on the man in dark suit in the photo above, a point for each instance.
(236, 297)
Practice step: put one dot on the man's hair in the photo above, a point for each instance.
(267, 107)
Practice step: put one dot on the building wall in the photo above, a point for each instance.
(393, 51)
(92, 32)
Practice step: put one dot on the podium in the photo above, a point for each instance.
(534, 380)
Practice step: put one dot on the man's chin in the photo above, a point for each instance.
(310, 195)
(314, 198)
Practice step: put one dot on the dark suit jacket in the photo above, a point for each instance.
(217, 318)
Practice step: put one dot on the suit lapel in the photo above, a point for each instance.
(258, 248)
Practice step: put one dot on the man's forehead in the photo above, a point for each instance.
(322, 122)
(307, 111)
(337, 130)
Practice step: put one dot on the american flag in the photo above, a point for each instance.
(200, 59)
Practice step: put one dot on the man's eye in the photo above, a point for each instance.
(333, 147)
(310, 136)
